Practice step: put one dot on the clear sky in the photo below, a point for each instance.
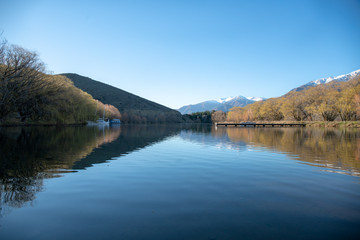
(187, 51)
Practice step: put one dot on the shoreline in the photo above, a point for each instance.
(41, 124)
(333, 124)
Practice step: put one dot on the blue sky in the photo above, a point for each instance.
(184, 52)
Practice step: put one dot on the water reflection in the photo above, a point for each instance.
(336, 150)
(132, 138)
(195, 183)
(31, 154)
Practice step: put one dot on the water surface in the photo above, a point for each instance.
(179, 182)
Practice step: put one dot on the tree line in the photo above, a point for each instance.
(200, 117)
(328, 102)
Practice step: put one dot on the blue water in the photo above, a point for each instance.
(180, 182)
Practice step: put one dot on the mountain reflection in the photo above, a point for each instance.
(29, 155)
(335, 150)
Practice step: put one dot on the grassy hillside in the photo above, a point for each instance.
(132, 108)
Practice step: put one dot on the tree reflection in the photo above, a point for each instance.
(29, 155)
(329, 148)
(338, 149)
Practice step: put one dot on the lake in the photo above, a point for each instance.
(179, 182)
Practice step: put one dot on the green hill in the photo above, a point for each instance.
(133, 109)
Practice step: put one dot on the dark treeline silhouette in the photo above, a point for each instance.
(200, 117)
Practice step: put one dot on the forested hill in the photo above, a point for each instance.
(335, 100)
(133, 109)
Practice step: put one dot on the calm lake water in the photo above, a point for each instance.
(179, 182)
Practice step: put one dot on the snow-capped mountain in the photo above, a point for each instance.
(223, 104)
(341, 78)
(256, 98)
(222, 100)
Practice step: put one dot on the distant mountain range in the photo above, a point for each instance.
(341, 78)
(223, 104)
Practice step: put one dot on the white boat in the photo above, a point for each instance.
(100, 122)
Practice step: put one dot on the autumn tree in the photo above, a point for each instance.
(270, 110)
(21, 80)
(345, 105)
(328, 102)
(356, 101)
(106, 109)
(218, 116)
(254, 110)
(235, 114)
(326, 106)
(293, 107)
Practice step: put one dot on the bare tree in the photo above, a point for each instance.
(21, 80)
(218, 116)
(2, 46)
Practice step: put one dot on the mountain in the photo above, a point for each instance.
(133, 109)
(341, 78)
(223, 104)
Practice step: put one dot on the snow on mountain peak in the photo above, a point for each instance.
(340, 78)
(222, 100)
(221, 104)
(228, 99)
(255, 98)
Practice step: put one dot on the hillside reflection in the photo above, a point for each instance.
(333, 149)
(31, 154)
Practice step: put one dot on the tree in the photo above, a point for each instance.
(326, 106)
(270, 110)
(218, 116)
(293, 107)
(235, 114)
(357, 104)
(312, 101)
(21, 80)
(254, 110)
(346, 106)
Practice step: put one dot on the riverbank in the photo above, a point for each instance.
(325, 124)
(337, 124)
(37, 124)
